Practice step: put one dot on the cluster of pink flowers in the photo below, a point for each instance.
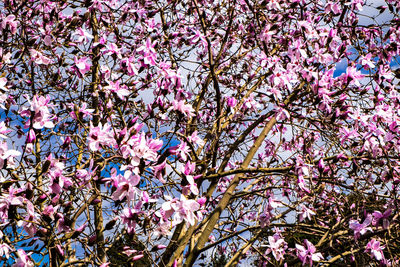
(39, 107)
(182, 209)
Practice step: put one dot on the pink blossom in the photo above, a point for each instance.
(82, 64)
(100, 135)
(23, 259)
(125, 186)
(305, 213)
(385, 73)
(7, 200)
(361, 228)
(374, 247)
(185, 109)
(162, 229)
(84, 176)
(192, 186)
(194, 138)
(3, 130)
(31, 136)
(120, 90)
(354, 75)
(7, 154)
(112, 49)
(81, 109)
(189, 168)
(127, 251)
(11, 22)
(48, 40)
(145, 197)
(274, 5)
(57, 179)
(28, 225)
(40, 108)
(140, 147)
(49, 211)
(302, 184)
(3, 83)
(357, 4)
(148, 52)
(159, 171)
(198, 36)
(333, 7)
(366, 61)
(202, 201)
(378, 217)
(130, 66)
(184, 209)
(276, 246)
(307, 253)
(129, 217)
(231, 101)
(5, 250)
(182, 150)
(83, 35)
(61, 225)
(39, 58)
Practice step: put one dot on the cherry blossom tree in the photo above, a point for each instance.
(181, 133)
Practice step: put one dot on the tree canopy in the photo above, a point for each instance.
(199, 132)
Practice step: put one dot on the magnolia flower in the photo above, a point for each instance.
(80, 110)
(276, 246)
(366, 61)
(3, 83)
(192, 185)
(378, 216)
(40, 108)
(129, 65)
(83, 35)
(82, 65)
(115, 87)
(162, 229)
(23, 259)
(185, 109)
(5, 250)
(361, 228)
(129, 217)
(39, 58)
(11, 22)
(100, 135)
(374, 247)
(307, 253)
(3, 130)
(126, 186)
(305, 213)
(231, 101)
(198, 36)
(184, 209)
(112, 49)
(7, 154)
(187, 170)
(7, 200)
(159, 171)
(57, 179)
(194, 138)
(354, 75)
(182, 150)
(332, 7)
(148, 52)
